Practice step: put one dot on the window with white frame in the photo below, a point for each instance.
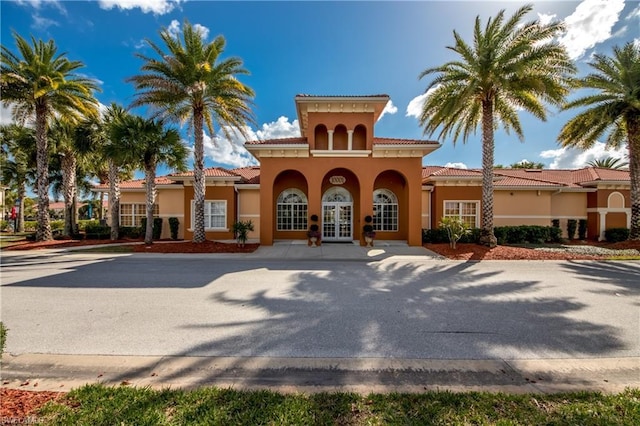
(467, 211)
(385, 210)
(291, 210)
(215, 214)
(131, 214)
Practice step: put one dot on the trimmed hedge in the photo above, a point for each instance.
(132, 232)
(156, 230)
(614, 235)
(32, 225)
(95, 231)
(505, 235)
(174, 226)
(582, 229)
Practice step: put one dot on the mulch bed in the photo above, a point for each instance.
(17, 405)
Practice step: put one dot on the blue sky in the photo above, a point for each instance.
(324, 48)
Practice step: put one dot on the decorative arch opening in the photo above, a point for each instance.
(360, 137)
(291, 210)
(615, 201)
(321, 137)
(340, 138)
(385, 210)
(337, 194)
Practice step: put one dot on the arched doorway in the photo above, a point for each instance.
(337, 215)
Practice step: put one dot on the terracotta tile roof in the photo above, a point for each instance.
(534, 177)
(282, 141)
(306, 95)
(395, 141)
(137, 183)
(208, 172)
(249, 175)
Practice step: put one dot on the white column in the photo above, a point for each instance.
(330, 132)
(350, 139)
(603, 224)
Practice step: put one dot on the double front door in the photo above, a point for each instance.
(337, 221)
(337, 215)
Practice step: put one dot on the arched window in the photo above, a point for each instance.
(291, 210)
(385, 210)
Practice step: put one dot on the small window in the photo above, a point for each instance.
(291, 210)
(215, 214)
(465, 210)
(131, 214)
(385, 210)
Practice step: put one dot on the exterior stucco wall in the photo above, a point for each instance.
(426, 209)
(332, 120)
(443, 193)
(170, 204)
(212, 193)
(249, 209)
(361, 175)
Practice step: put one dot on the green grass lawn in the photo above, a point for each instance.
(101, 405)
(8, 239)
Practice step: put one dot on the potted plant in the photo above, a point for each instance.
(314, 235)
(367, 231)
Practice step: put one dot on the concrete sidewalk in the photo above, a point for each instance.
(362, 375)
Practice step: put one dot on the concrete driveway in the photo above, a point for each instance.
(398, 306)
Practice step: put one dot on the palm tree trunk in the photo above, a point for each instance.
(633, 143)
(150, 177)
(487, 237)
(114, 200)
(199, 235)
(43, 231)
(22, 192)
(69, 191)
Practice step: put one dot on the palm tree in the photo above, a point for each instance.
(148, 145)
(190, 83)
(510, 65)
(107, 155)
(16, 163)
(614, 109)
(609, 163)
(39, 84)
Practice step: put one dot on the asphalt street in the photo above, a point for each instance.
(172, 305)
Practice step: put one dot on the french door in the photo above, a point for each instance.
(337, 221)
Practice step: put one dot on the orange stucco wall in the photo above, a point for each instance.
(339, 123)
(212, 193)
(362, 175)
(249, 209)
(451, 193)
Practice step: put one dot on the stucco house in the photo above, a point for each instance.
(340, 172)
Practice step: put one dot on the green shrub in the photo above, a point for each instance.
(582, 229)
(95, 231)
(522, 234)
(572, 225)
(439, 235)
(156, 231)
(555, 223)
(455, 228)
(129, 232)
(82, 224)
(174, 226)
(614, 235)
(241, 231)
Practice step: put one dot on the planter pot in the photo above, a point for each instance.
(369, 241)
(314, 241)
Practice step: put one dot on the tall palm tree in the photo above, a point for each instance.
(148, 145)
(190, 83)
(16, 163)
(613, 109)
(511, 65)
(609, 163)
(97, 131)
(39, 84)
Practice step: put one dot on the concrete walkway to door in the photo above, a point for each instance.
(298, 249)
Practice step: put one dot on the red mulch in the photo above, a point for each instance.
(478, 252)
(17, 405)
(157, 247)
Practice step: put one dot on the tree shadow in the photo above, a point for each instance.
(621, 278)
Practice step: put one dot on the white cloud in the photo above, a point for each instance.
(590, 24)
(232, 153)
(174, 28)
(389, 108)
(456, 165)
(279, 129)
(204, 31)
(414, 109)
(157, 7)
(545, 19)
(572, 158)
(5, 115)
(635, 13)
